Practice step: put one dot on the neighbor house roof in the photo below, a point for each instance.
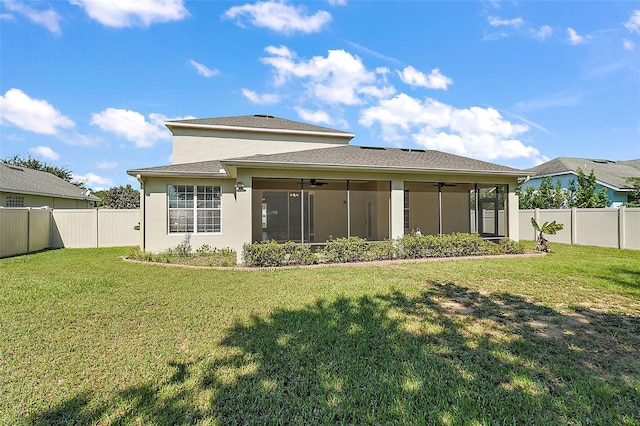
(610, 173)
(22, 180)
(258, 122)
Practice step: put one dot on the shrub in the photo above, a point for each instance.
(343, 250)
(382, 250)
(511, 247)
(299, 254)
(264, 254)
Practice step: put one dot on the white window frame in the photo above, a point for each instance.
(198, 199)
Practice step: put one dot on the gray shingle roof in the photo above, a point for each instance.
(611, 173)
(350, 156)
(259, 121)
(22, 180)
(207, 168)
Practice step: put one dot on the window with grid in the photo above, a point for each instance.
(194, 208)
(407, 225)
(15, 201)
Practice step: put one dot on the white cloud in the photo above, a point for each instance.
(633, 24)
(47, 18)
(94, 181)
(313, 116)
(132, 126)
(628, 44)
(264, 99)
(543, 33)
(435, 80)
(127, 13)
(45, 152)
(338, 78)
(279, 51)
(495, 21)
(475, 132)
(279, 17)
(574, 37)
(203, 70)
(34, 115)
(105, 164)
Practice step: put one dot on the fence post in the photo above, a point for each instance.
(536, 217)
(574, 225)
(28, 229)
(621, 230)
(97, 227)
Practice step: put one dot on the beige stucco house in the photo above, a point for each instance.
(24, 187)
(237, 180)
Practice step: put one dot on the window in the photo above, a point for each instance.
(194, 208)
(407, 223)
(15, 201)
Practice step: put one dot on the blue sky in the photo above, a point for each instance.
(87, 84)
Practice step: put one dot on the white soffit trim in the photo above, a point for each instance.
(259, 130)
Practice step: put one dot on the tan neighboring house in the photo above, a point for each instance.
(23, 187)
(238, 180)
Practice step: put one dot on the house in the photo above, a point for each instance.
(611, 175)
(238, 180)
(24, 187)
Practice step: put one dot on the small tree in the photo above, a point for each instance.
(634, 197)
(550, 228)
(585, 196)
(120, 197)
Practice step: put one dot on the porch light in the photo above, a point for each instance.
(239, 187)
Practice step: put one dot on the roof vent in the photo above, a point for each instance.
(604, 161)
(378, 148)
(11, 166)
(412, 150)
(263, 116)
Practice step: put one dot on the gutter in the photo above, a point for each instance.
(369, 168)
(258, 130)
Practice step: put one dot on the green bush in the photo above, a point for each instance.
(299, 254)
(412, 246)
(264, 254)
(344, 250)
(511, 247)
(382, 250)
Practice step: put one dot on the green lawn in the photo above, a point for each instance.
(87, 338)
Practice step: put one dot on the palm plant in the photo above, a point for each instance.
(549, 228)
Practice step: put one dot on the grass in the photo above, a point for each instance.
(86, 338)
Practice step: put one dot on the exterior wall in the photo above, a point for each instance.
(615, 197)
(235, 215)
(193, 145)
(51, 202)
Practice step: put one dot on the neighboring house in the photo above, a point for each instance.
(23, 187)
(238, 180)
(611, 175)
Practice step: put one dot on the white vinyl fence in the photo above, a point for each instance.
(619, 228)
(25, 230)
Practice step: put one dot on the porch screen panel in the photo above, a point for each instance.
(276, 210)
(456, 207)
(492, 210)
(423, 207)
(330, 210)
(369, 209)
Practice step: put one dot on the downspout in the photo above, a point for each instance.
(440, 208)
(143, 227)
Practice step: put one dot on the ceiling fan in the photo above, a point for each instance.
(315, 182)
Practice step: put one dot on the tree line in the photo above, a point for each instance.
(580, 194)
